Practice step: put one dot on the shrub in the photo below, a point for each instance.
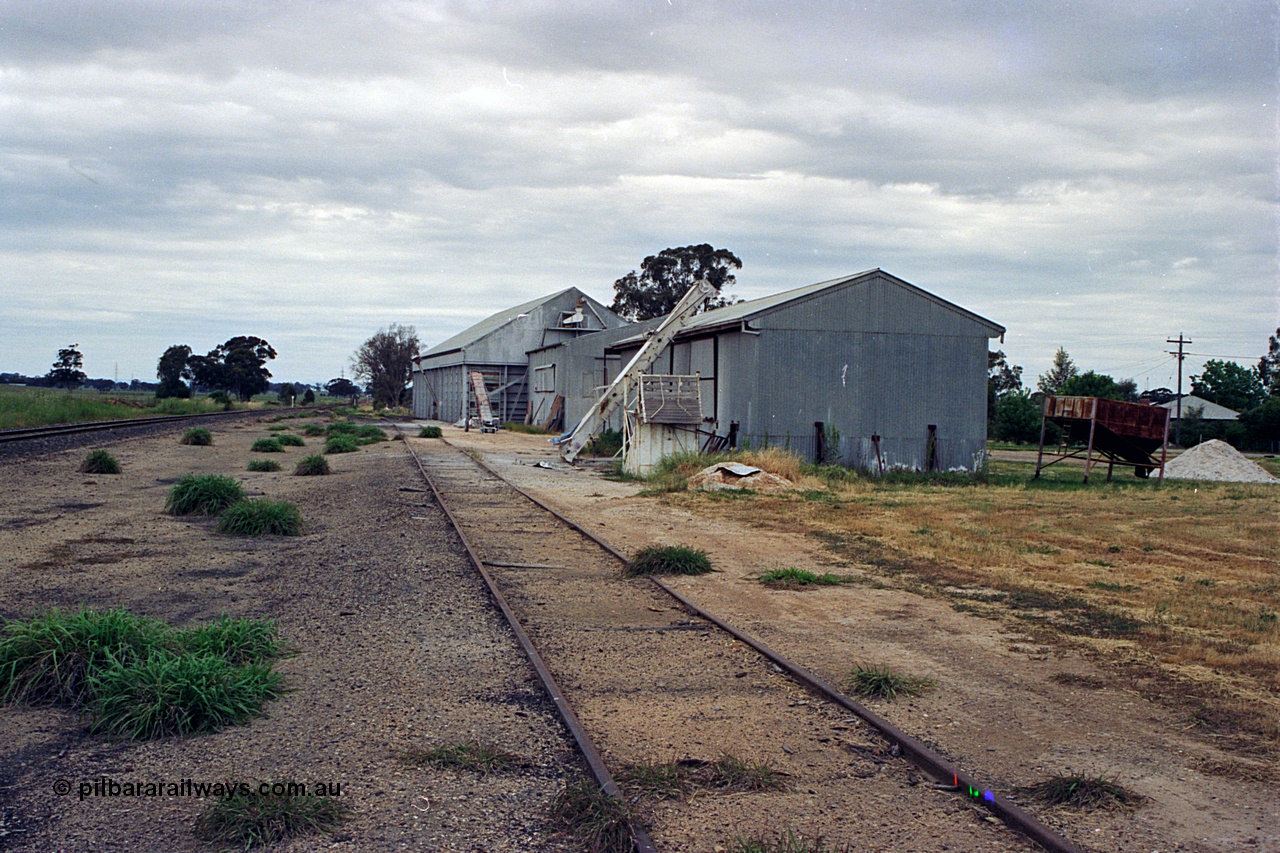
(430, 432)
(99, 462)
(342, 428)
(267, 445)
(668, 560)
(368, 434)
(260, 518)
(249, 818)
(341, 444)
(311, 466)
(172, 694)
(288, 440)
(223, 399)
(202, 494)
(264, 465)
(198, 436)
(313, 429)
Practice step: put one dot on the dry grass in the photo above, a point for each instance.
(1184, 574)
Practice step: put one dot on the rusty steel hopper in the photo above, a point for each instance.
(1117, 432)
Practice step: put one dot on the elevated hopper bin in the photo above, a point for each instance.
(1117, 432)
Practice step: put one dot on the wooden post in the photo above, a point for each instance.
(1093, 424)
(1044, 416)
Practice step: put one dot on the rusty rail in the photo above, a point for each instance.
(926, 759)
(643, 844)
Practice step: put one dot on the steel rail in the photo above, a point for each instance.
(915, 750)
(54, 430)
(643, 844)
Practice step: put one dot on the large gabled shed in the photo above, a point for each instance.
(498, 348)
(867, 370)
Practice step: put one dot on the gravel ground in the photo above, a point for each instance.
(398, 646)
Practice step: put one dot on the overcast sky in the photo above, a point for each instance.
(1101, 176)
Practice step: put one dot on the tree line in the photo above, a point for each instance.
(1013, 411)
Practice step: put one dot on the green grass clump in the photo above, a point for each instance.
(260, 518)
(368, 434)
(341, 443)
(99, 462)
(202, 494)
(277, 427)
(527, 429)
(1084, 793)
(430, 432)
(174, 694)
(313, 429)
(267, 445)
(198, 436)
(289, 440)
(137, 677)
(788, 842)
(668, 560)
(342, 428)
(880, 682)
(600, 821)
(47, 660)
(249, 818)
(264, 465)
(312, 466)
(464, 755)
(792, 578)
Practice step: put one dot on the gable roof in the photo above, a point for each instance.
(1211, 411)
(733, 315)
(494, 322)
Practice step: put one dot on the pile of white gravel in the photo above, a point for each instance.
(1216, 461)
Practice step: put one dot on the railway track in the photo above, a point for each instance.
(653, 678)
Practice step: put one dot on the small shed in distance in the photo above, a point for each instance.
(498, 348)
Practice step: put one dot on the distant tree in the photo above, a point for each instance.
(309, 397)
(1128, 389)
(66, 372)
(342, 387)
(1017, 418)
(1091, 384)
(287, 392)
(172, 368)
(1229, 384)
(1062, 369)
(1003, 377)
(668, 275)
(385, 364)
(1156, 396)
(1269, 366)
(1262, 424)
(237, 366)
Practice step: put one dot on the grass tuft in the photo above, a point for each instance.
(171, 694)
(261, 517)
(1084, 793)
(600, 821)
(198, 436)
(99, 462)
(341, 444)
(668, 560)
(202, 494)
(368, 434)
(251, 819)
(138, 677)
(263, 465)
(312, 466)
(792, 578)
(430, 432)
(465, 755)
(880, 682)
(341, 428)
(678, 779)
(290, 440)
(313, 429)
(788, 842)
(267, 445)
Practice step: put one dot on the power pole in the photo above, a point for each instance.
(1177, 424)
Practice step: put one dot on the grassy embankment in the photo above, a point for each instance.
(1180, 578)
(22, 406)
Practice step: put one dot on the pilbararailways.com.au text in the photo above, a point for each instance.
(109, 787)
